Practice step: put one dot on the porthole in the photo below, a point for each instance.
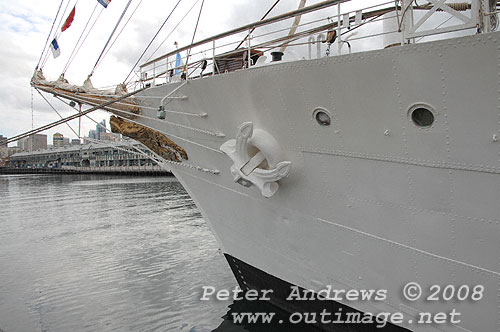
(322, 117)
(422, 116)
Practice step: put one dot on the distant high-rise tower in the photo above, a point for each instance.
(37, 142)
(3, 141)
(33, 142)
(92, 134)
(58, 140)
(100, 128)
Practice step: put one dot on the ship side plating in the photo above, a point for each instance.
(374, 200)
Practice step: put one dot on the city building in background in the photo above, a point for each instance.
(110, 137)
(37, 142)
(100, 129)
(33, 142)
(4, 151)
(3, 141)
(93, 134)
(13, 150)
(21, 143)
(100, 134)
(58, 140)
(90, 157)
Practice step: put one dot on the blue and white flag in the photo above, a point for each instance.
(178, 64)
(105, 3)
(55, 48)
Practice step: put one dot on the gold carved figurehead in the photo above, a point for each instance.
(157, 142)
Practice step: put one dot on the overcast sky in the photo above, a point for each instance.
(24, 26)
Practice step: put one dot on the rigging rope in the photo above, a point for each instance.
(86, 36)
(70, 59)
(56, 123)
(125, 140)
(63, 16)
(194, 34)
(109, 39)
(123, 28)
(51, 106)
(154, 37)
(56, 34)
(173, 30)
(155, 157)
(263, 17)
(48, 37)
(45, 57)
(32, 111)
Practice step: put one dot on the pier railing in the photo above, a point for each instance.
(119, 170)
(111, 169)
(328, 28)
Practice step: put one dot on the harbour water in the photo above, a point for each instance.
(94, 253)
(99, 253)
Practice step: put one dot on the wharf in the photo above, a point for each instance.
(117, 170)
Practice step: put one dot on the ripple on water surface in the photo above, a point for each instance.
(94, 253)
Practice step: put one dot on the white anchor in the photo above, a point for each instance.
(246, 170)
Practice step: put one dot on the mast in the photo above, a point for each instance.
(263, 17)
(295, 25)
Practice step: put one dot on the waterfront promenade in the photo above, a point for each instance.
(151, 170)
(95, 158)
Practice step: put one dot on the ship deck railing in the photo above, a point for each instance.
(357, 29)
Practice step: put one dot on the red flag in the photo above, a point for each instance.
(69, 20)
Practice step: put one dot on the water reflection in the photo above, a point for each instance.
(94, 253)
